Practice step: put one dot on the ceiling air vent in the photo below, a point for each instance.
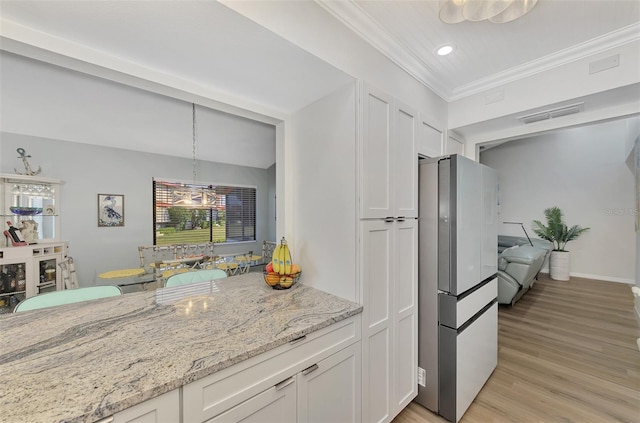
(552, 113)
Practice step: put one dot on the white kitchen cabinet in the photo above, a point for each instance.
(454, 146)
(161, 409)
(257, 383)
(388, 157)
(429, 140)
(330, 390)
(326, 391)
(389, 279)
(276, 404)
(404, 351)
(405, 155)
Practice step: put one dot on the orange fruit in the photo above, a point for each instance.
(286, 281)
(295, 269)
(272, 278)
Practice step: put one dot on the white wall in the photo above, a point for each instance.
(583, 172)
(88, 170)
(324, 192)
(309, 26)
(571, 80)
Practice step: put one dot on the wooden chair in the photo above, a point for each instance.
(195, 276)
(68, 271)
(68, 296)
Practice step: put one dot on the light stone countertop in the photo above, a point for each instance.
(86, 361)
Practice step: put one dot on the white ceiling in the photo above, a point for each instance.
(203, 42)
(72, 106)
(488, 54)
(219, 53)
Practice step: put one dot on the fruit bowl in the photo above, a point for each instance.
(26, 211)
(276, 281)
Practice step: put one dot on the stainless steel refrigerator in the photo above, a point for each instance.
(457, 283)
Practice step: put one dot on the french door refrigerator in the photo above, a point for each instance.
(457, 283)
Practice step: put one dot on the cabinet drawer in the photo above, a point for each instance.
(273, 405)
(165, 408)
(214, 394)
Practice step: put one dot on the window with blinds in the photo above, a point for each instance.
(190, 213)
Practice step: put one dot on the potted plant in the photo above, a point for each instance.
(558, 233)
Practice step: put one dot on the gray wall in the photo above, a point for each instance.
(583, 171)
(88, 170)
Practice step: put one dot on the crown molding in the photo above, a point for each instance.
(355, 18)
(594, 46)
(360, 22)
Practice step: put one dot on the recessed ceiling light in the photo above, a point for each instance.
(444, 50)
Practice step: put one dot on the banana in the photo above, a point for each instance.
(275, 261)
(287, 258)
(283, 246)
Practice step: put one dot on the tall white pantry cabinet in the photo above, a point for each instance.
(354, 170)
(388, 198)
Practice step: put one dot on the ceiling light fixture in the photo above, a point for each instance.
(194, 196)
(444, 50)
(496, 11)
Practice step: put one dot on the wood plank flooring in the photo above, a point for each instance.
(567, 352)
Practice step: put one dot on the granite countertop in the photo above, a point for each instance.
(86, 361)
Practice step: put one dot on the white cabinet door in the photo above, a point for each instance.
(404, 358)
(275, 405)
(405, 154)
(376, 196)
(377, 272)
(162, 409)
(389, 157)
(330, 391)
(454, 146)
(390, 335)
(429, 140)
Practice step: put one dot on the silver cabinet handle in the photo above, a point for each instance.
(284, 383)
(389, 219)
(310, 370)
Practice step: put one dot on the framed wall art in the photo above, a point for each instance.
(110, 210)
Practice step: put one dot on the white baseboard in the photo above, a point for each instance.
(598, 277)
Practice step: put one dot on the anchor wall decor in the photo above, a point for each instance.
(28, 170)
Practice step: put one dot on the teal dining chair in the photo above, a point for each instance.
(67, 296)
(195, 276)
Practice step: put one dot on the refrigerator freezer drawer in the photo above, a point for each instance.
(476, 355)
(454, 311)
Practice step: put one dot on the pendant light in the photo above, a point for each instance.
(496, 11)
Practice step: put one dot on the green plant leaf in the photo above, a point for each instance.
(555, 230)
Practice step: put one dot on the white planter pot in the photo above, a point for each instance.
(560, 265)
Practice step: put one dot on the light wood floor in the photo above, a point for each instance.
(567, 352)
